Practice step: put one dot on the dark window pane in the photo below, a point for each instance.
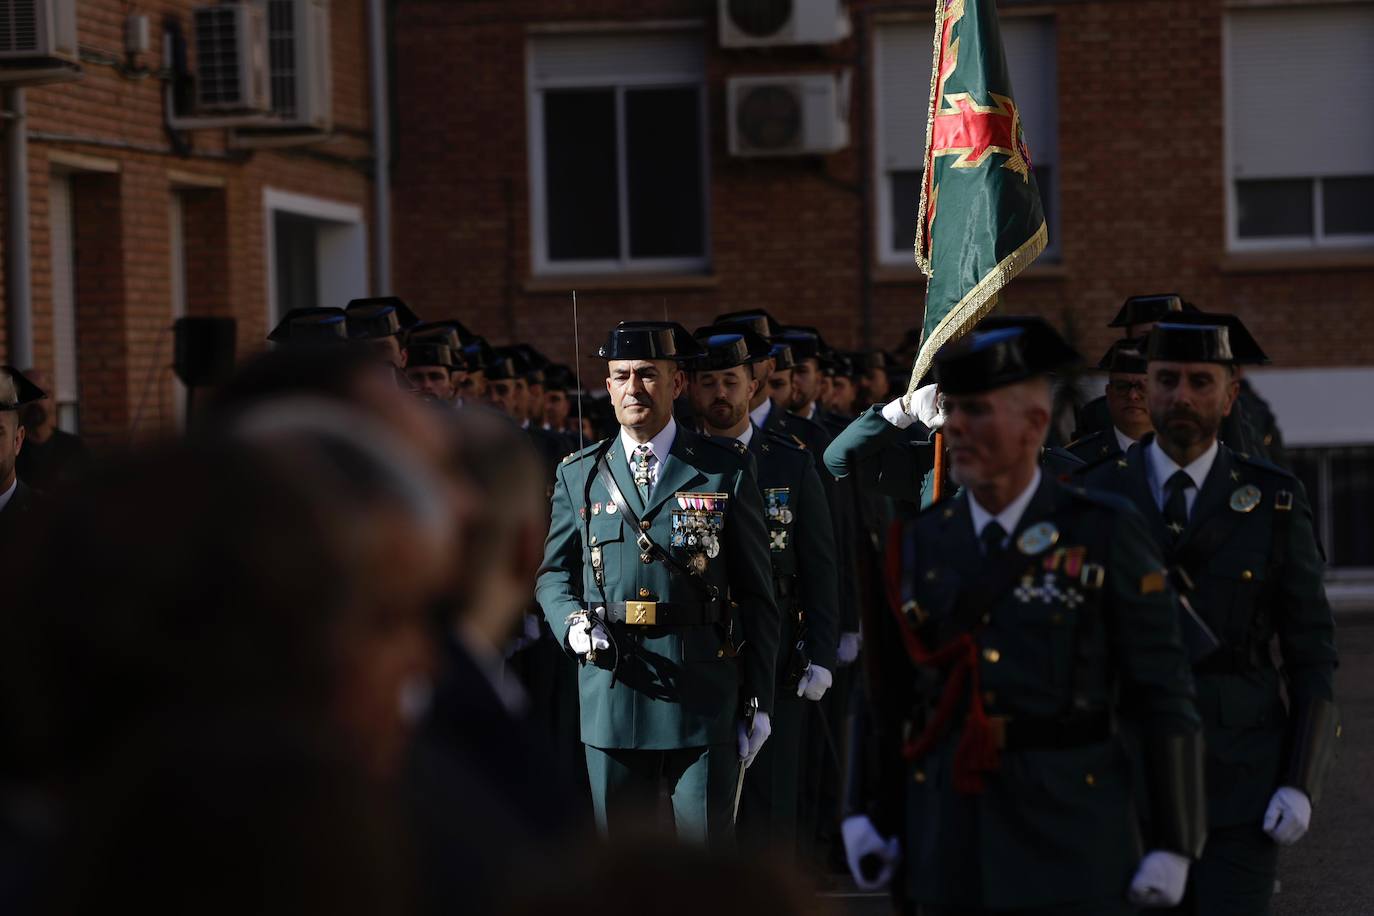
(580, 181)
(1352, 505)
(663, 156)
(1267, 209)
(297, 267)
(906, 201)
(1348, 205)
(1306, 465)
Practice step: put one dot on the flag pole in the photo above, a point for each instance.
(938, 492)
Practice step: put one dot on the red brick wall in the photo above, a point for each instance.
(1142, 189)
(124, 299)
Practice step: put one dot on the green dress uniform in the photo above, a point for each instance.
(1002, 675)
(694, 626)
(1095, 448)
(1248, 564)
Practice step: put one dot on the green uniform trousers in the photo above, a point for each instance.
(769, 805)
(1235, 876)
(701, 780)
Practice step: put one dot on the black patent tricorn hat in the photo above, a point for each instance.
(1177, 342)
(1145, 309)
(25, 391)
(728, 347)
(430, 353)
(311, 326)
(1126, 355)
(756, 320)
(1244, 348)
(999, 352)
(377, 317)
(651, 340)
(781, 352)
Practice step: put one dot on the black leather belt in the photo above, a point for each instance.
(1234, 660)
(665, 613)
(1015, 733)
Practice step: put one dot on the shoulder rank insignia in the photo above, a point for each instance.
(1037, 538)
(1283, 500)
(1246, 498)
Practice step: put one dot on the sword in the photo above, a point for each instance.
(749, 712)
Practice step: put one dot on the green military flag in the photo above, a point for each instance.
(980, 222)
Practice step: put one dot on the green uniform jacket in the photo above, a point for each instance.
(897, 462)
(801, 543)
(675, 686)
(1089, 631)
(1095, 447)
(1246, 594)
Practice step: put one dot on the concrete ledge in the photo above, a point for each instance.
(629, 282)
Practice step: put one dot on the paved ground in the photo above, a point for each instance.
(1328, 872)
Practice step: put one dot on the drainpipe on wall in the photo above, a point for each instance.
(381, 149)
(18, 284)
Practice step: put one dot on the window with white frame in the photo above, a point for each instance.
(1299, 130)
(902, 64)
(618, 152)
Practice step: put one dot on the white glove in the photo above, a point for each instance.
(750, 743)
(815, 681)
(1288, 815)
(862, 839)
(584, 635)
(1160, 880)
(895, 413)
(925, 404)
(848, 649)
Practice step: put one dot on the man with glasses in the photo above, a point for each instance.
(1124, 363)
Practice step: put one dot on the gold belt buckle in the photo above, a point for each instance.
(641, 613)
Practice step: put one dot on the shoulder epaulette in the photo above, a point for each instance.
(1095, 434)
(786, 440)
(1262, 464)
(732, 447)
(1101, 498)
(587, 452)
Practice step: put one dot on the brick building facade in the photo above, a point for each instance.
(1160, 126)
(132, 224)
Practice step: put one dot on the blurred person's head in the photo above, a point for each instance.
(842, 392)
(806, 384)
(17, 392)
(557, 406)
(780, 388)
(376, 325)
(432, 382)
(1125, 390)
(509, 396)
(491, 581)
(874, 386)
(40, 417)
(534, 401)
(1191, 386)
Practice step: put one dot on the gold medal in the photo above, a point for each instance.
(698, 561)
(1037, 538)
(1246, 498)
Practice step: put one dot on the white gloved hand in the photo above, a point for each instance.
(925, 405)
(848, 649)
(750, 743)
(815, 681)
(1288, 815)
(584, 635)
(862, 839)
(1160, 880)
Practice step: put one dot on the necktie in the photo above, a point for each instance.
(640, 463)
(1175, 505)
(992, 537)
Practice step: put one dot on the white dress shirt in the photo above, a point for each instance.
(1009, 517)
(747, 436)
(760, 414)
(1123, 440)
(8, 494)
(658, 449)
(1161, 467)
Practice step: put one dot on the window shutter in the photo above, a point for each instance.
(589, 60)
(904, 64)
(1298, 84)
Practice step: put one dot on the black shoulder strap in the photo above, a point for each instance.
(647, 544)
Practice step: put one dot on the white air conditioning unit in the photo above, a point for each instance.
(788, 114)
(301, 68)
(231, 59)
(38, 41)
(763, 23)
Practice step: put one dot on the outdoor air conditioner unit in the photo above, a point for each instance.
(788, 114)
(301, 68)
(231, 59)
(38, 41)
(763, 23)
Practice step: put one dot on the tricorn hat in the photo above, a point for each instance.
(379, 316)
(756, 320)
(1145, 309)
(781, 352)
(16, 390)
(650, 340)
(1126, 355)
(728, 347)
(1245, 350)
(1177, 342)
(999, 352)
(429, 353)
(311, 326)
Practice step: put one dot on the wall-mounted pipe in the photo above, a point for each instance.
(381, 148)
(18, 281)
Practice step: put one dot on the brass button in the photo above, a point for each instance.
(989, 697)
(992, 656)
(644, 525)
(1246, 576)
(643, 593)
(1090, 779)
(920, 776)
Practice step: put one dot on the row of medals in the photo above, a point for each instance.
(698, 526)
